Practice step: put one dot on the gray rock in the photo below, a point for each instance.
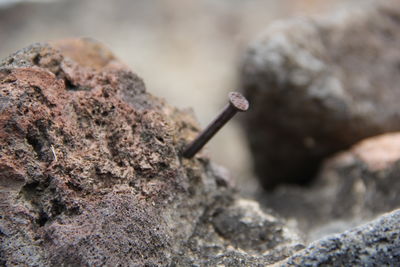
(317, 86)
(241, 233)
(352, 188)
(373, 244)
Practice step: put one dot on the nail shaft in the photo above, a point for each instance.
(237, 103)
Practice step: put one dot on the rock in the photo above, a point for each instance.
(91, 175)
(353, 187)
(91, 172)
(317, 86)
(373, 244)
(241, 233)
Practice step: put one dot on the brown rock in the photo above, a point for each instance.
(85, 175)
(317, 86)
(86, 52)
(90, 168)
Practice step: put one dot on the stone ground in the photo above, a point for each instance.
(92, 174)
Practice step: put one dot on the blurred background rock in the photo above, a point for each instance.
(187, 52)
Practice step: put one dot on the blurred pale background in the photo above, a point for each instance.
(187, 51)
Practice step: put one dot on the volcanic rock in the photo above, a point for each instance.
(373, 244)
(91, 172)
(319, 85)
(240, 234)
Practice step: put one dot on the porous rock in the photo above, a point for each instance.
(91, 172)
(373, 244)
(239, 234)
(318, 85)
(352, 188)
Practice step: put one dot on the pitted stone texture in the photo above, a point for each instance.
(90, 166)
(317, 86)
(373, 244)
(90, 173)
(239, 234)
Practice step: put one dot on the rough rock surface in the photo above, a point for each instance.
(352, 187)
(91, 173)
(317, 86)
(373, 244)
(241, 234)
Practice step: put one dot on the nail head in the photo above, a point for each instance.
(238, 101)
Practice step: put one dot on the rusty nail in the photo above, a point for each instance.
(237, 103)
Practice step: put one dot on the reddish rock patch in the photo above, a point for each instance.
(90, 164)
(91, 172)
